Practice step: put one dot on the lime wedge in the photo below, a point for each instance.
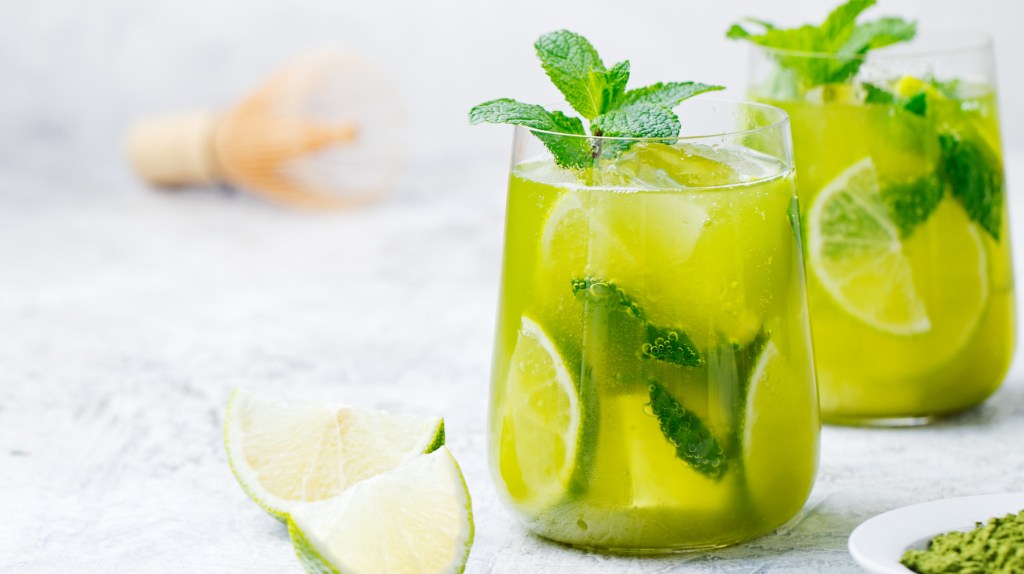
(776, 390)
(540, 433)
(856, 253)
(416, 518)
(284, 454)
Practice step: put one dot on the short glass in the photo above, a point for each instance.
(653, 382)
(900, 174)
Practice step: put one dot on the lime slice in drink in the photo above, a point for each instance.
(284, 454)
(834, 94)
(540, 433)
(856, 253)
(948, 256)
(416, 518)
(909, 86)
(646, 242)
(775, 391)
(665, 232)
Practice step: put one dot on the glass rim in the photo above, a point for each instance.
(781, 121)
(971, 40)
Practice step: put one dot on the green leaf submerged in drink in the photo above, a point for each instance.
(915, 104)
(693, 440)
(663, 343)
(910, 203)
(975, 177)
(597, 93)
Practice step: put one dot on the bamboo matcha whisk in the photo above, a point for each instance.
(325, 131)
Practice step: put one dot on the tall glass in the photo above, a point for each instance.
(653, 384)
(900, 172)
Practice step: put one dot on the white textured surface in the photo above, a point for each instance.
(128, 316)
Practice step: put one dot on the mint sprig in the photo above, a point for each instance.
(598, 94)
(576, 70)
(570, 152)
(839, 35)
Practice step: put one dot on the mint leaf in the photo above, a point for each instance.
(916, 104)
(668, 94)
(975, 177)
(802, 39)
(609, 295)
(862, 38)
(737, 362)
(683, 428)
(911, 203)
(568, 151)
(808, 71)
(669, 345)
(615, 84)
(878, 34)
(737, 32)
(575, 68)
(637, 121)
(840, 23)
(877, 95)
(509, 111)
(646, 112)
(839, 35)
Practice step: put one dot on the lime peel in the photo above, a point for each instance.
(545, 420)
(416, 517)
(284, 455)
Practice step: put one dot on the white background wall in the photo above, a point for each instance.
(74, 73)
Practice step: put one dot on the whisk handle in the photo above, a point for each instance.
(174, 150)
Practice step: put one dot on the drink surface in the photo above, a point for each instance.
(653, 385)
(930, 330)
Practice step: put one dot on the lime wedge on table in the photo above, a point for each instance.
(776, 390)
(415, 519)
(856, 252)
(540, 433)
(284, 454)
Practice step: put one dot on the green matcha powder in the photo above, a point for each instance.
(993, 548)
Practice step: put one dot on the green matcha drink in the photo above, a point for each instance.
(899, 168)
(653, 384)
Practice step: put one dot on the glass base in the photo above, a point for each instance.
(683, 548)
(633, 551)
(879, 422)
